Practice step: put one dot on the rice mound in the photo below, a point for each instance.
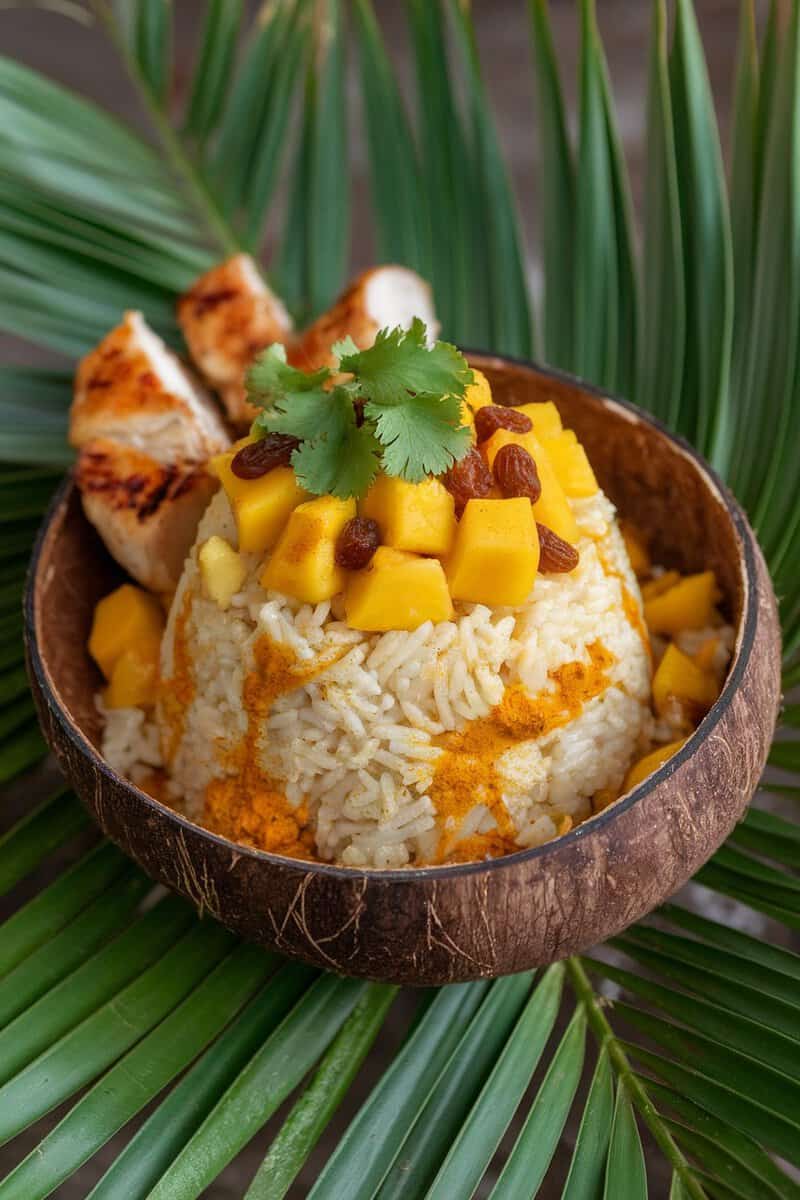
(373, 733)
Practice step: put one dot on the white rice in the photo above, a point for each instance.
(355, 745)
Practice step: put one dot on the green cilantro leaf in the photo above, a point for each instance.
(400, 362)
(304, 415)
(410, 396)
(344, 347)
(342, 457)
(270, 378)
(421, 436)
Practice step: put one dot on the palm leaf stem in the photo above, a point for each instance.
(635, 1087)
(196, 189)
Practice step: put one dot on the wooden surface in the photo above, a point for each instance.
(439, 925)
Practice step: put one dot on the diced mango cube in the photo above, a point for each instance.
(552, 508)
(650, 763)
(419, 517)
(571, 465)
(468, 419)
(680, 678)
(636, 548)
(496, 552)
(303, 563)
(603, 797)
(220, 465)
(221, 569)
(546, 418)
(134, 678)
(121, 620)
(478, 393)
(261, 506)
(688, 604)
(500, 438)
(397, 590)
(659, 585)
(706, 655)
(262, 512)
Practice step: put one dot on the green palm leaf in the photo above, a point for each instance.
(705, 417)
(557, 192)
(660, 377)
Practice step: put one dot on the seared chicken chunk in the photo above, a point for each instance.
(146, 512)
(135, 390)
(383, 297)
(227, 317)
(145, 428)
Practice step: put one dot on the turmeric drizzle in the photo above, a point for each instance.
(466, 773)
(177, 692)
(247, 806)
(630, 607)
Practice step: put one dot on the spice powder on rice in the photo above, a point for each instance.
(466, 773)
(247, 806)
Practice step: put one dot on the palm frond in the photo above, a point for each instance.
(685, 1026)
(557, 195)
(660, 376)
(705, 417)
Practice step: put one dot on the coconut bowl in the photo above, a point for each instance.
(436, 925)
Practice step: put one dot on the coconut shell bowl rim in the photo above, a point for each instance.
(743, 647)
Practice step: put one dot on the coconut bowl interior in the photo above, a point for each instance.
(435, 925)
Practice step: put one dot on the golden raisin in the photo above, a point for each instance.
(495, 416)
(468, 479)
(555, 555)
(258, 458)
(357, 543)
(516, 474)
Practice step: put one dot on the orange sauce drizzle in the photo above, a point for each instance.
(630, 606)
(177, 692)
(248, 806)
(466, 773)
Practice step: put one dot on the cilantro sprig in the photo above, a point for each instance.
(395, 407)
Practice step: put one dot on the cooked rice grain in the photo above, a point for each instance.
(356, 743)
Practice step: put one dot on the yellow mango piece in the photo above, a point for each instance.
(468, 419)
(572, 467)
(134, 678)
(419, 517)
(637, 550)
(705, 656)
(688, 604)
(656, 587)
(122, 619)
(650, 763)
(397, 590)
(220, 466)
(603, 797)
(679, 677)
(546, 418)
(478, 393)
(221, 569)
(261, 506)
(500, 438)
(303, 562)
(496, 552)
(552, 508)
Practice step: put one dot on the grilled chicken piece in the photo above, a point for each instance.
(383, 297)
(145, 428)
(133, 389)
(146, 512)
(227, 317)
